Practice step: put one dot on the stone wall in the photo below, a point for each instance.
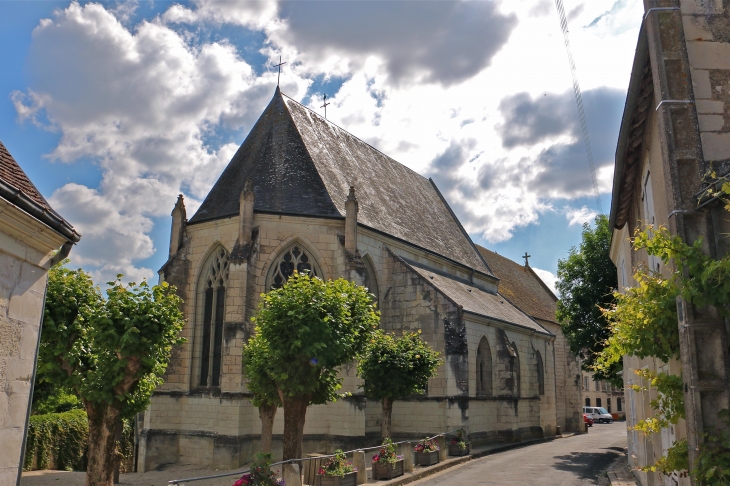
(25, 249)
(221, 428)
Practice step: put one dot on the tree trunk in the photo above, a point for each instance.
(385, 421)
(295, 410)
(267, 414)
(102, 449)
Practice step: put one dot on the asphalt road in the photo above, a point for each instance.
(574, 461)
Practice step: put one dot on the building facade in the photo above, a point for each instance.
(674, 144)
(524, 288)
(33, 237)
(599, 393)
(302, 193)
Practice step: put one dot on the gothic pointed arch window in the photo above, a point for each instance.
(371, 279)
(209, 315)
(484, 369)
(296, 257)
(540, 373)
(516, 371)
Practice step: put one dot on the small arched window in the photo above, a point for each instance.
(484, 369)
(540, 374)
(210, 311)
(291, 259)
(588, 402)
(598, 402)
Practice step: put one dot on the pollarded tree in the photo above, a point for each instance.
(586, 282)
(311, 328)
(396, 367)
(111, 352)
(258, 371)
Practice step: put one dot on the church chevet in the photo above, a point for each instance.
(303, 194)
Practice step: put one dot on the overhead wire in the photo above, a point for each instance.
(579, 103)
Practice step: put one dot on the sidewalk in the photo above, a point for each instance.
(619, 473)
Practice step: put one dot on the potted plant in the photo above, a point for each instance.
(459, 446)
(336, 472)
(260, 473)
(427, 453)
(386, 463)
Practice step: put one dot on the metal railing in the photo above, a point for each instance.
(182, 482)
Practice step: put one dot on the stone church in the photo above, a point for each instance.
(303, 194)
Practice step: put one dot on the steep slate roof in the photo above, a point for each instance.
(17, 189)
(11, 173)
(475, 300)
(300, 163)
(522, 286)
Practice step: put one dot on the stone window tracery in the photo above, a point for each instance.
(294, 258)
(484, 369)
(211, 292)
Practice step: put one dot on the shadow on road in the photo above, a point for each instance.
(587, 465)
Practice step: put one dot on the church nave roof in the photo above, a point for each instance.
(300, 163)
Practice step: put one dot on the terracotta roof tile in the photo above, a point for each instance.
(521, 285)
(11, 173)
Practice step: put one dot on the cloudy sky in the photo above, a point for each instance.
(114, 108)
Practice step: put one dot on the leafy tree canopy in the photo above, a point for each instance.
(396, 367)
(586, 281)
(309, 328)
(109, 351)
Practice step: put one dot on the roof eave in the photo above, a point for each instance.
(46, 216)
(642, 53)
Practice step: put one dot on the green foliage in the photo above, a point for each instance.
(396, 367)
(669, 404)
(386, 454)
(309, 328)
(703, 281)
(713, 465)
(676, 461)
(642, 322)
(336, 466)
(586, 282)
(62, 438)
(110, 351)
(54, 400)
(258, 371)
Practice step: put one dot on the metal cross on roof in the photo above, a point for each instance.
(526, 257)
(325, 106)
(279, 66)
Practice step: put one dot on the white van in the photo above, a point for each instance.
(599, 414)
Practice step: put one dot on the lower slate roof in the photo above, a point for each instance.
(521, 285)
(475, 300)
(300, 163)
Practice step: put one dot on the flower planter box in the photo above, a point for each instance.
(454, 450)
(388, 471)
(427, 458)
(349, 479)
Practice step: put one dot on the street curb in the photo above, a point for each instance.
(449, 463)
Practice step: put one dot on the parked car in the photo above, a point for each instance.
(598, 414)
(588, 420)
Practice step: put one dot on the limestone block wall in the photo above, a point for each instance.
(705, 25)
(25, 248)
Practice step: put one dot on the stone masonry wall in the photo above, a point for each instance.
(22, 286)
